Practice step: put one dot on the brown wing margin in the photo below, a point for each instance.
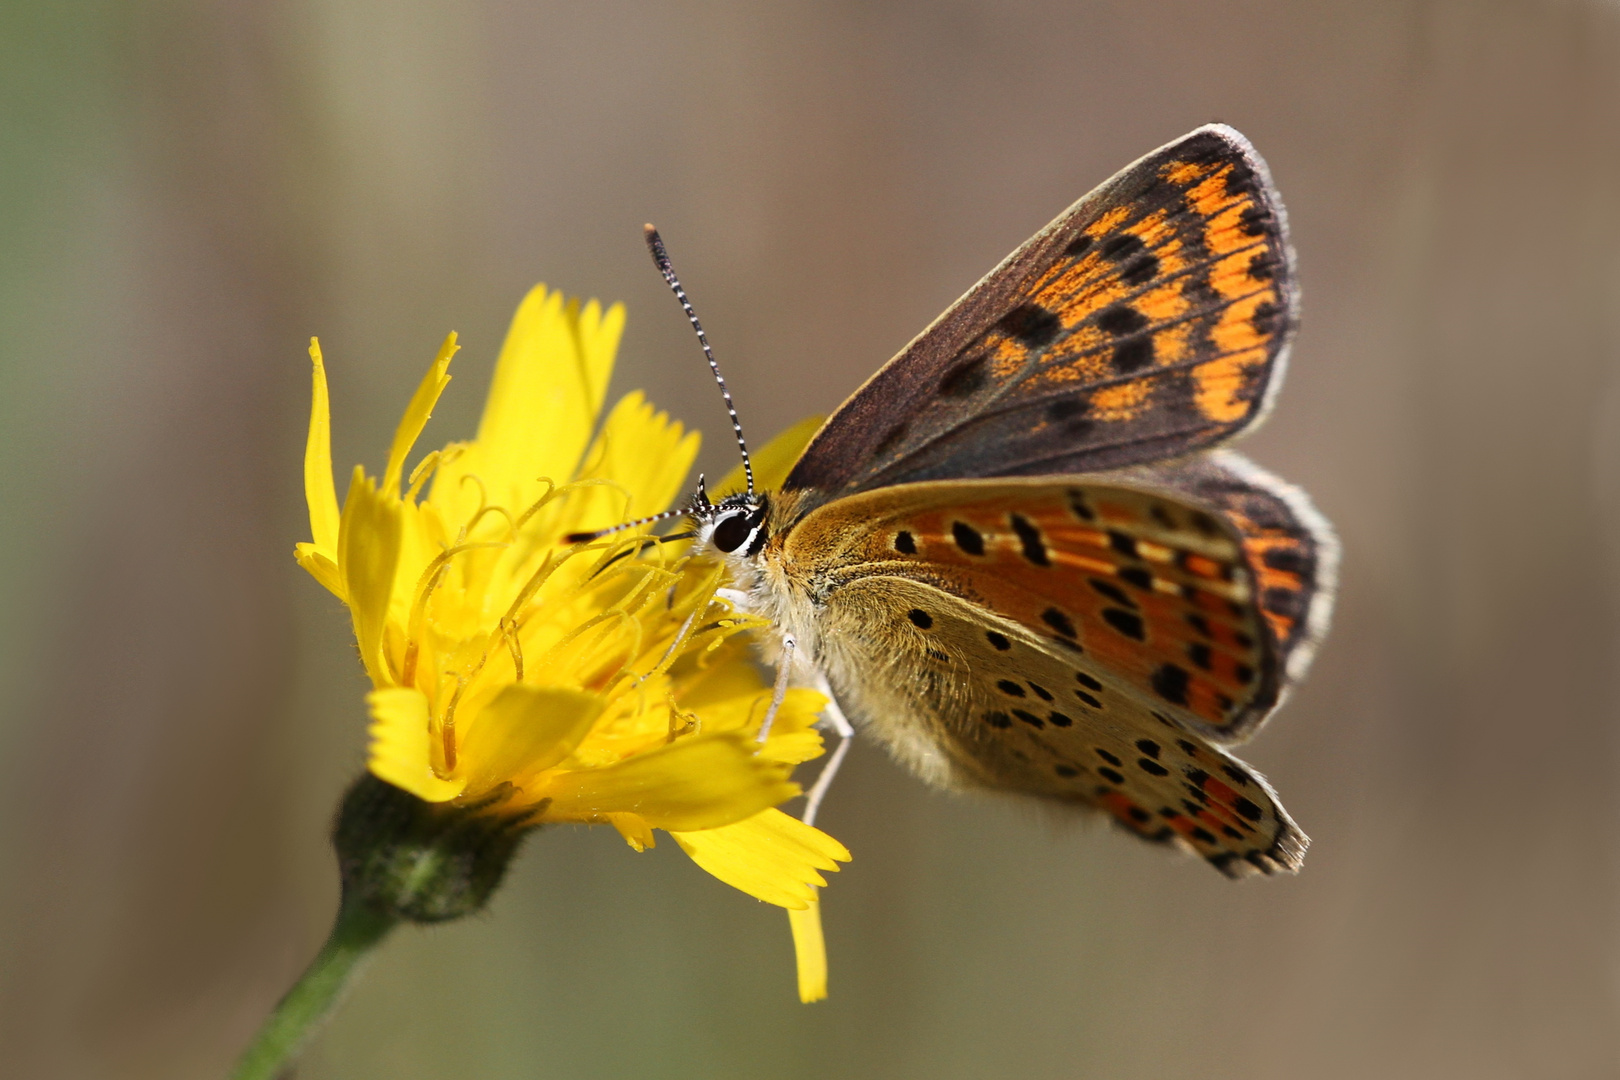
(1149, 320)
(1291, 550)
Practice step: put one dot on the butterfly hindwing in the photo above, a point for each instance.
(1149, 320)
(1290, 548)
(978, 700)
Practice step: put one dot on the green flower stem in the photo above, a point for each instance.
(358, 929)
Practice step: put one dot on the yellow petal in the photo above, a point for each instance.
(368, 554)
(523, 730)
(810, 949)
(635, 830)
(399, 750)
(319, 491)
(774, 462)
(771, 856)
(417, 413)
(696, 783)
(320, 567)
(645, 455)
(549, 383)
(599, 332)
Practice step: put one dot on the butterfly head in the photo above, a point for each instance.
(735, 526)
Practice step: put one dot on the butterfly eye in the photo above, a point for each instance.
(731, 532)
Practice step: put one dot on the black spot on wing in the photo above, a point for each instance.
(1126, 622)
(905, 543)
(1287, 559)
(1254, 220)
(1030, 537)
(1058, 621)
(967, 538)
(920, 618)
(1265, 318)
(1111, 591)
(965, 378)
(997, 641)
(1133, 355)
(1120, 320)
(1064, 409)
(1141, 270)
(1170, 682)
(1138, 576)
(1122, 247)
(892, 439)
(1079, 507)
(1031, 324)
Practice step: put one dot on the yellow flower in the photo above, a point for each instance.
(597, 683)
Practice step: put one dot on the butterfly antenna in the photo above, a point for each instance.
(587, 537)
(655, 244)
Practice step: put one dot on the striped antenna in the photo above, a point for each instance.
(587, 537)
(655, 244)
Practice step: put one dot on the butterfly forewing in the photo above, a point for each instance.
(1150, 596)
(1146, 321)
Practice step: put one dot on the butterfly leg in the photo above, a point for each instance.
(784, 668)
(834, 716)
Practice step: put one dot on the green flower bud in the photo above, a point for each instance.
(423, 862)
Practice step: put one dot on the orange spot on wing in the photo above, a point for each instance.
(1007, 359)
(1122, 402)
(1108, 222)
(1208, 196)
(1181, 173)
(1221, 384)
(1163, 303)
(1230, 276)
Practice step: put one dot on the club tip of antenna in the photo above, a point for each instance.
(655, 244)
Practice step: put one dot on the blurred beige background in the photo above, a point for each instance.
(189, 190)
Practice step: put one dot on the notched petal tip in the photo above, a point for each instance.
(320, 493)
(418, 412)
(810, 951)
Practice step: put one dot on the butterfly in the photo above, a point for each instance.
(1018, 555)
